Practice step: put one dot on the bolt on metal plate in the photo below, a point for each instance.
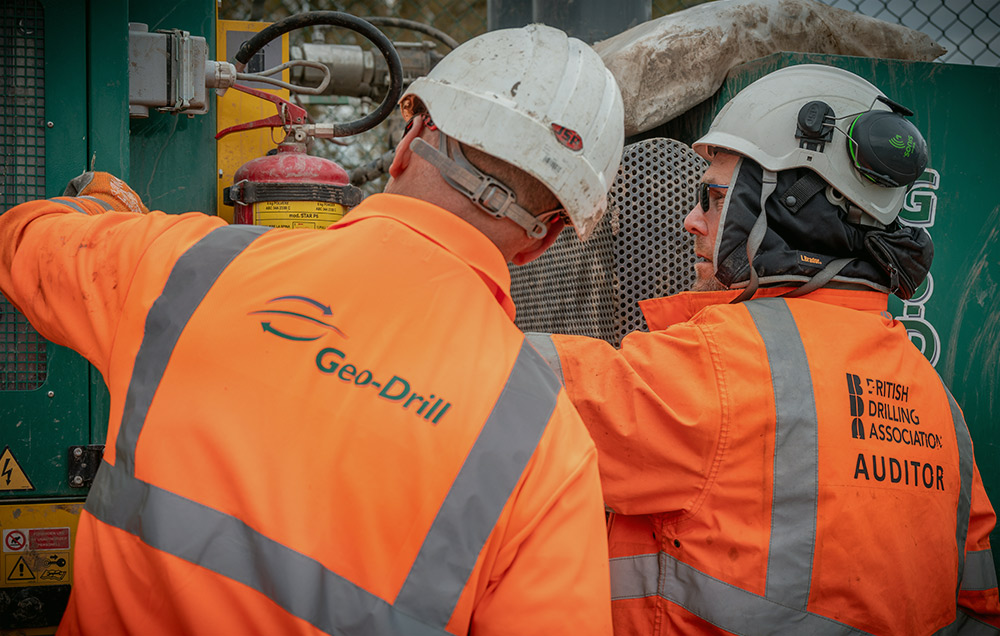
(83, 464)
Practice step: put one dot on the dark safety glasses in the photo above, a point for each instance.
(703, 197)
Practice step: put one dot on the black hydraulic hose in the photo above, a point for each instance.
(373, 169)
(413, 25)
(345, 20)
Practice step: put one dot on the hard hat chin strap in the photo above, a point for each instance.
(490, 195)
(757, 232)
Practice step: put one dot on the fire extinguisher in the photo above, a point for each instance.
(291, 188)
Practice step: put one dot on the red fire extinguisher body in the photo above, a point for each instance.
(292, 189)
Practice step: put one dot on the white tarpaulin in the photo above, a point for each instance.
(666, 66)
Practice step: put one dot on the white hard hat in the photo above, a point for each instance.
(539, 100)
(830, 121)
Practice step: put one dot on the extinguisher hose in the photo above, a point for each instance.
(347, 21)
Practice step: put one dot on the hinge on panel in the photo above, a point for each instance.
(83, 463)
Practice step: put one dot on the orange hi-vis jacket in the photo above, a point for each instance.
(782, 467)
(335, 431)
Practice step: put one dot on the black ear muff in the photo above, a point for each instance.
(887, 148)
(814, 125)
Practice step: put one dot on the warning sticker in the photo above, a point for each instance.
(36, 543)
(40, 567)
(20, 571)
(14, 541)
(11, 475)
(317, 215)
(55, 568)
(48, 539)
(20, 539)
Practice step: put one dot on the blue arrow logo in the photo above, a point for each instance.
(327, 311)
(312, 321)
(268, 328)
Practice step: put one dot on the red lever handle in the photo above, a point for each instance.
(288, 113)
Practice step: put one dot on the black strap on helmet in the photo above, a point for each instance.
(490, 195)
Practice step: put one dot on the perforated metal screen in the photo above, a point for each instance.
(23, 353)
(639, 250)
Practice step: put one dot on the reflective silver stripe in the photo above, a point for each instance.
(480, 490)
(793, 529)
(70, 203)
(966, 625)
(296, 582)
(634, 576)
(721, 604)
(107, 206)
(980, 572)
(225, 545)
(543, 343)
(193, 275)
(965, 471)
(796, 455)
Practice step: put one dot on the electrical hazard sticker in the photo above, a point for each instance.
(11, 475)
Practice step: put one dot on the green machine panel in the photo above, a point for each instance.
(172, 157)
(43, 388)
(64, 72)
(954, 318)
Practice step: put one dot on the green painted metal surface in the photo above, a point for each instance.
(106, 50)
(68, 109)
(173, 165)
(39, 421)
(40, 425)
(168, 159)
(955, 317)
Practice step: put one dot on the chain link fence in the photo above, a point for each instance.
(968, 29)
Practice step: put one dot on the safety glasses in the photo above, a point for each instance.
(703, 197)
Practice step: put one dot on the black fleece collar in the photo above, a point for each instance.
(802, 239)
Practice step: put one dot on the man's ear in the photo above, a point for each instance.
(531, 253)
(401, 160)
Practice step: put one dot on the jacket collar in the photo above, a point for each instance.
(660, 313)
(448, 231)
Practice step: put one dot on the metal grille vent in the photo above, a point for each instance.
(23, 353)
(639, 250)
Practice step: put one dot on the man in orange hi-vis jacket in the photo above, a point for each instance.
(778, 457)
(342, 431)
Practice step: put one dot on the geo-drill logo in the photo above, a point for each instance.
(300, 322)
(297, 326)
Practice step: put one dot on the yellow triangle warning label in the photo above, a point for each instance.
(11, 475)
(20, 571)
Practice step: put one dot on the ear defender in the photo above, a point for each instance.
(887, 148)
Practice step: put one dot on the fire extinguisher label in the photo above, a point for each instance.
(297, 214)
